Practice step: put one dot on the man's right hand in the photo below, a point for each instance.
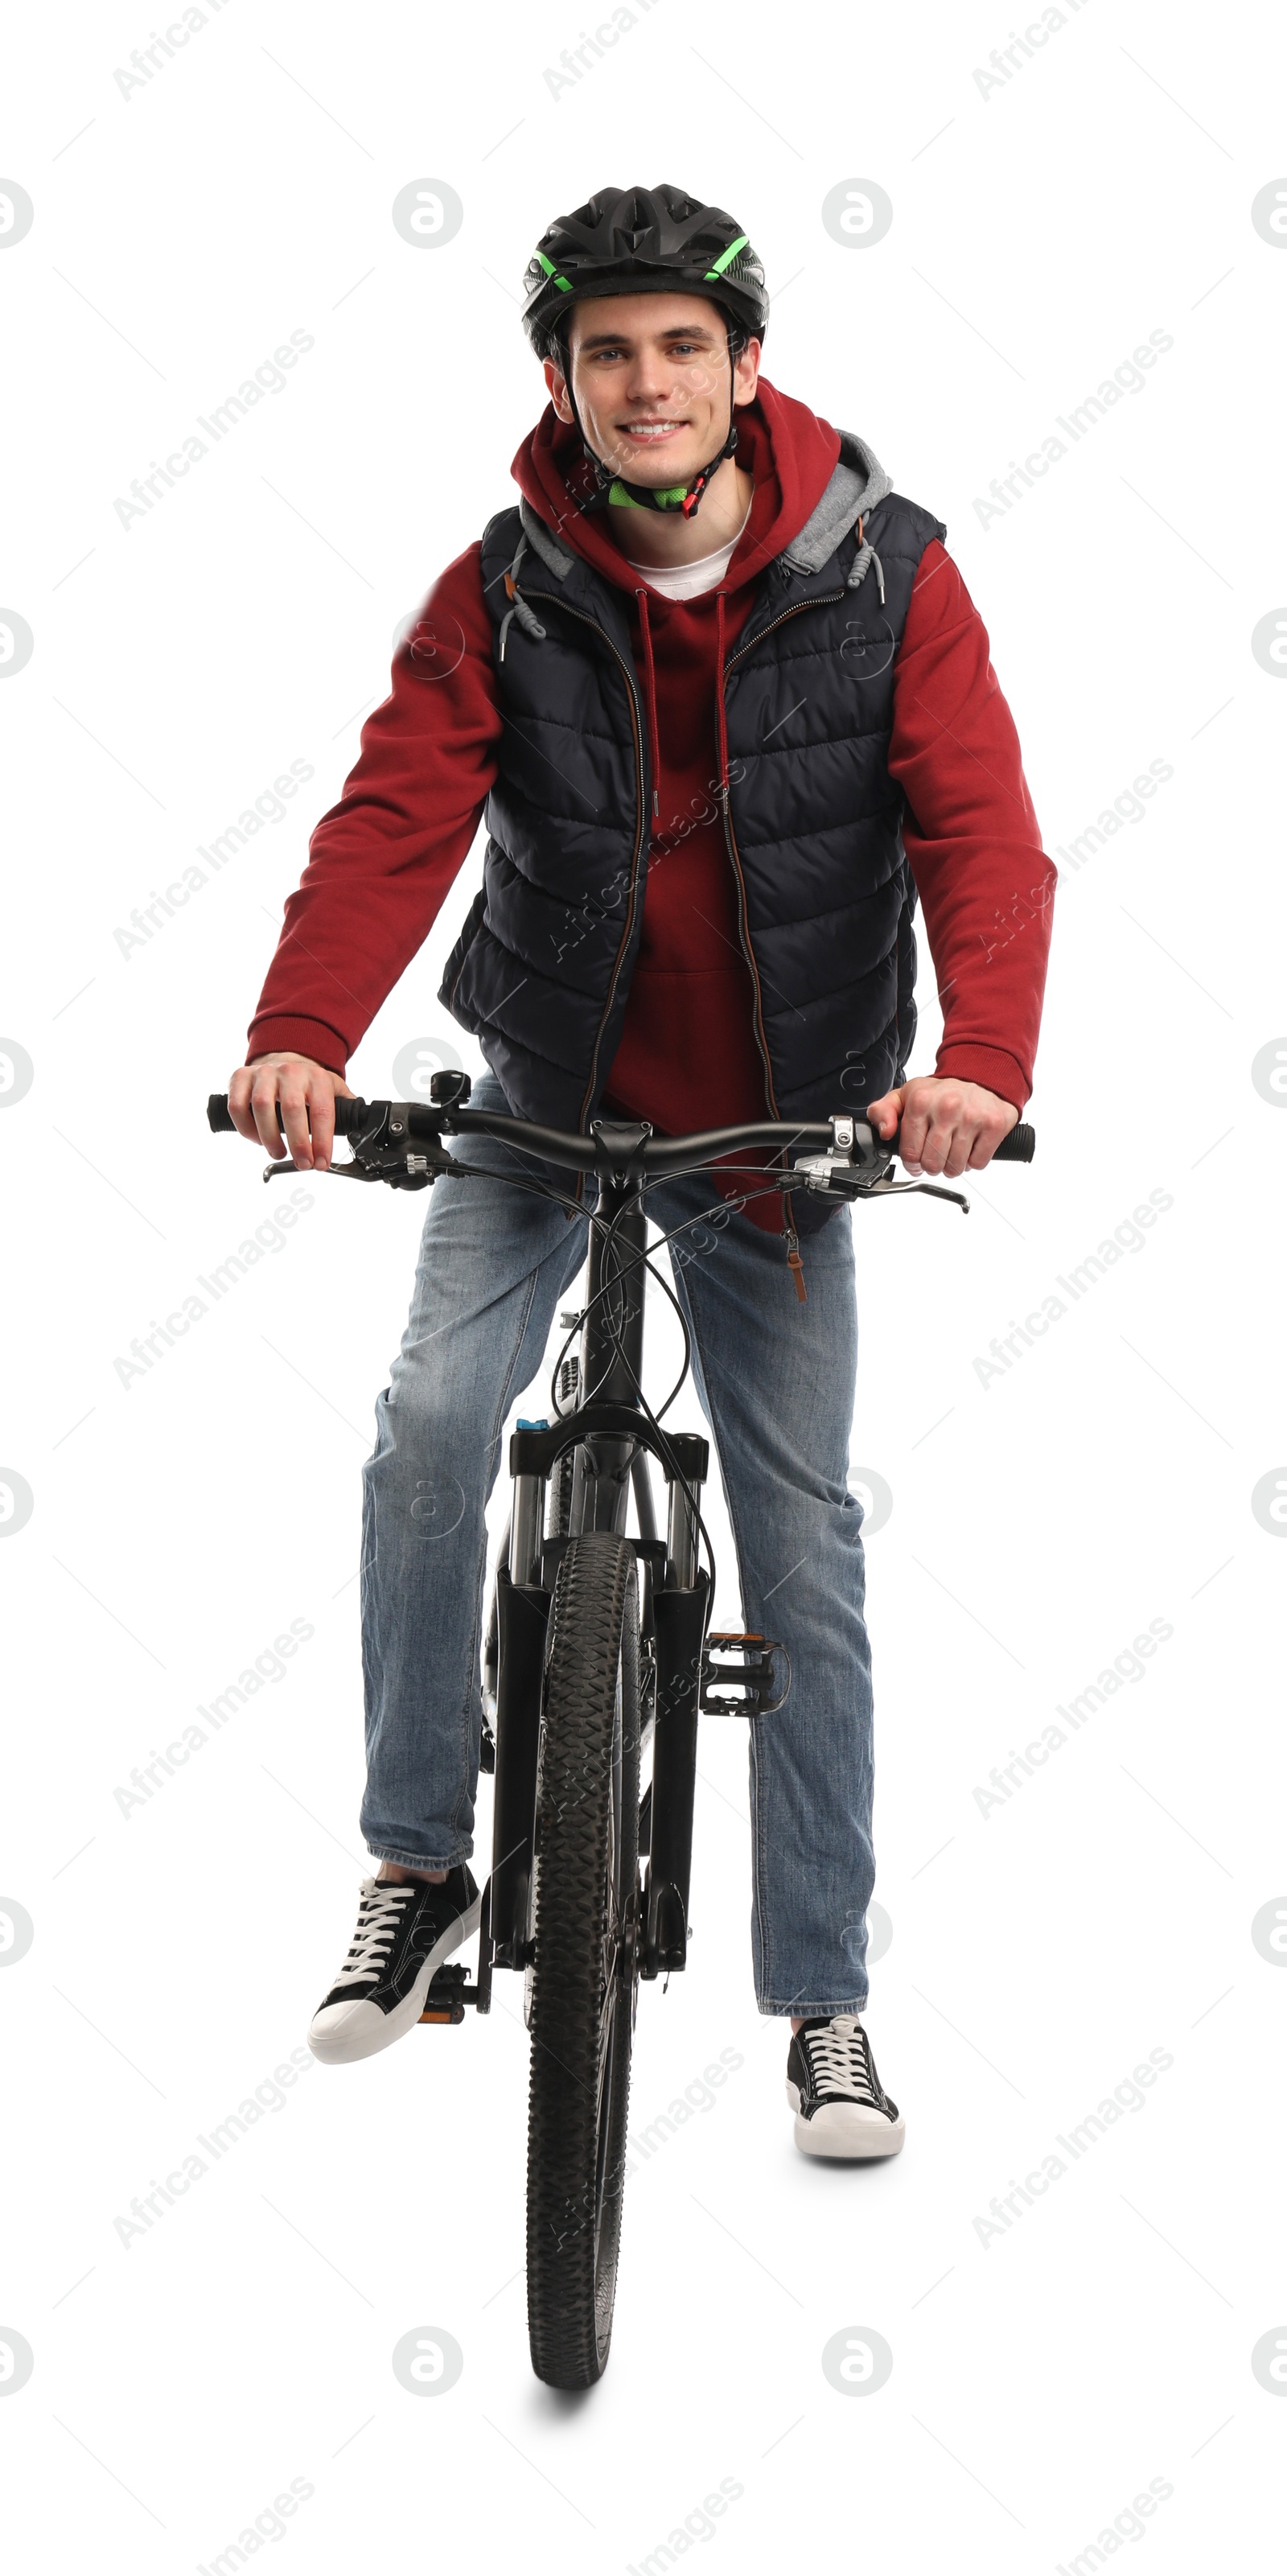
(307, 1093)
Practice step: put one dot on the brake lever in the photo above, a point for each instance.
(836, 1173)
(376, 1156)
(350, 1171)
(888, 1188)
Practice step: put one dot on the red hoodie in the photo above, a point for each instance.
(382, 861)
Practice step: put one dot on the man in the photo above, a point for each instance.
(729, 710)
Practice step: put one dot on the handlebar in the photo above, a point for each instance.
(400, 1142)
(415, 1122)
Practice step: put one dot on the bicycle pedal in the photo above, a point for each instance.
(739, 1677)
(449, 1992)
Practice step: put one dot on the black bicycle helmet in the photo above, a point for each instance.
(632, 241)
(628, 241)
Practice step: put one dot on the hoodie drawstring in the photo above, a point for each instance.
(518, 607)
(858, 568)
(654, 745)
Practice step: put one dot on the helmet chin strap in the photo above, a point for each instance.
(683, 497)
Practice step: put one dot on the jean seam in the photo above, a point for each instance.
(805, 2012)
(418, 1860)
(758, 1835)
(367, 1565)
(471, 1684)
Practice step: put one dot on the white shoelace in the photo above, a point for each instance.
(378, 1916)
(840, 2060)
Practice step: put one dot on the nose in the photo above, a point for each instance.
(651, 383)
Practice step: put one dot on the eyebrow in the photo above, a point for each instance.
(615, 339)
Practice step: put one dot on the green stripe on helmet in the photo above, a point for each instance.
(551, 271)
(726, 255)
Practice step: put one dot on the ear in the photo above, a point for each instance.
(746, 373)
(556, 388)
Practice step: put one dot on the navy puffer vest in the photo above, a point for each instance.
(812, 818)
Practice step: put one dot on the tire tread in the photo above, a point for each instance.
(593, 1632)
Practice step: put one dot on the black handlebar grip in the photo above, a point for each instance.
(350, 1115)
(1018, 1147)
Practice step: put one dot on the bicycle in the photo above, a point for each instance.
(598, 1654)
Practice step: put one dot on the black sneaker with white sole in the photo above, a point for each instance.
(403, 1935)
(841, 2107)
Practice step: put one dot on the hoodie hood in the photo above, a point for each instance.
(787, 450)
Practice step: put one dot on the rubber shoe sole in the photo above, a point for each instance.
(845, 2130)
(340, 2034)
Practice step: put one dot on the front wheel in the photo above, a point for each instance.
(583, 1968)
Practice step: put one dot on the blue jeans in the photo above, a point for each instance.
(775, 1380)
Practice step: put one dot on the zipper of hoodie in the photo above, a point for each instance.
(631, 681)
(825, 599)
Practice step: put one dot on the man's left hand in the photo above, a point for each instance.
(946, 1126)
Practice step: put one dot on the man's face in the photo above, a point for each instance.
(651, 378)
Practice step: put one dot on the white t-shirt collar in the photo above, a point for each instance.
(689, 580)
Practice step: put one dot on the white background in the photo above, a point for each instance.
(1043, 2378)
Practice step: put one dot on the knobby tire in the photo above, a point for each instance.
(582, 1988)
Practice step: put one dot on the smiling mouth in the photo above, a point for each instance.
(649, 432)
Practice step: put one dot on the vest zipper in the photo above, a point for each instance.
(824, 600)
(640, 827)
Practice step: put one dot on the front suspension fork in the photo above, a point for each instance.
(680, 1614)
